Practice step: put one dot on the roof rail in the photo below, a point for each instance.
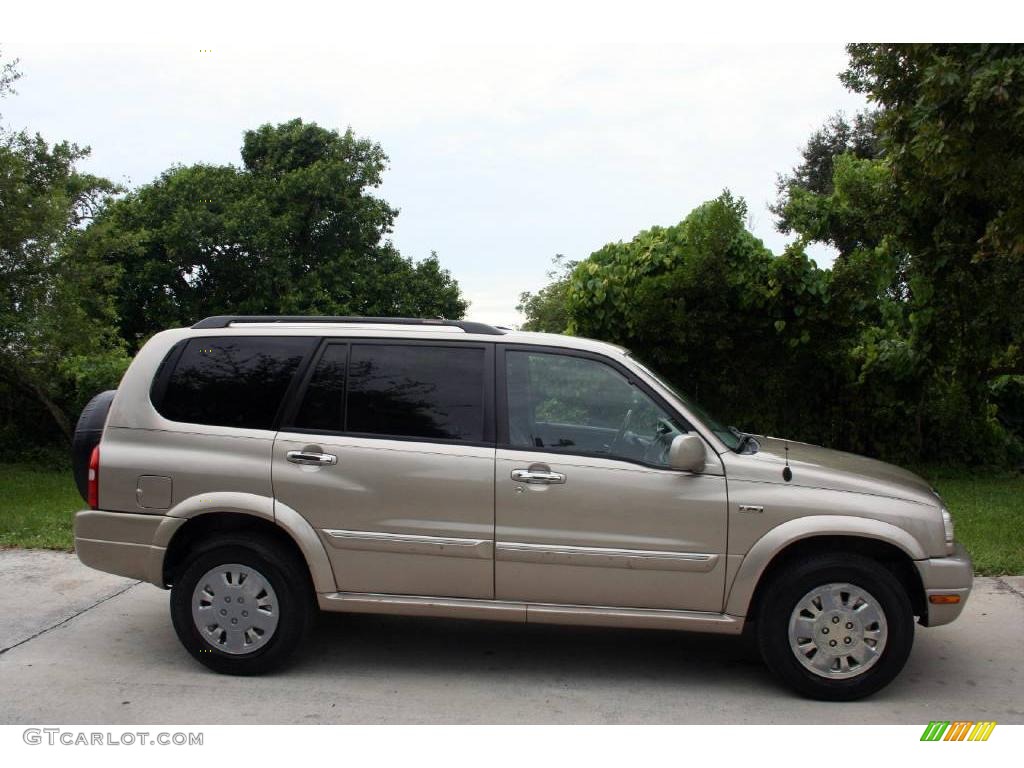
(224, 321)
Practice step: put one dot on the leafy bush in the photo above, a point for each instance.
(776, 345)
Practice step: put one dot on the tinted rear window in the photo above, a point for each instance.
(416, 391)
(233, 381)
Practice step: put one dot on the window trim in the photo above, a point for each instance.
(165, 370)
(293, 402)
(501, 399)
(287, 423)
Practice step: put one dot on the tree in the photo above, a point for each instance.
(951, 123)
(9, 74)
(545, 310)
(927, 220)
(295, 230)
(837, 137)
(54, 314)
(744, 331)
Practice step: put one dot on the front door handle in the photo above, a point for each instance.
(537, 477)
(312, 459)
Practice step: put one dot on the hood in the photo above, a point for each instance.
(816, 467)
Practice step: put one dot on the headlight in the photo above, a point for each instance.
(947, 526)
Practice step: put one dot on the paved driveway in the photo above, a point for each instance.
(83, 647)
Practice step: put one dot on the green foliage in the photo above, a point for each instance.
(1007, 398)
(744, 331)
(9, 74)
(545, 310)
(909, 347)
(837, 137)
(92, 373)
(86, 277)
(53, 306)
(952, 127)
(296, 230)
(779, 346)
(926, 210)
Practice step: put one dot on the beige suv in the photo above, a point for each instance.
(265, 467)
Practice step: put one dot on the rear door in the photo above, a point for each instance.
(389, 453)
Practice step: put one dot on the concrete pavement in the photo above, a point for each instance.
(86, 648)
(41, 589)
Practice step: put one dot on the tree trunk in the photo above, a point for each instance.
(55, 411)
(18, 377)
(58, 416)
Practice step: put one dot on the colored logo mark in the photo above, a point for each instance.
(958, 730)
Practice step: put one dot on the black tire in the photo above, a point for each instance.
(285, 572)
(88, 431)
(788, 587)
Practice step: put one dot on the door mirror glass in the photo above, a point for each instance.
(686, 453)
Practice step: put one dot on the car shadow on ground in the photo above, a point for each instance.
(361, 642)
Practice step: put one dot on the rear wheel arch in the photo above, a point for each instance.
(209, 526)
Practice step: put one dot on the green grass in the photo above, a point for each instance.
(988, 511)
(37, 507)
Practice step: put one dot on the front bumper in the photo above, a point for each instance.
(941, 576)
(124, 543)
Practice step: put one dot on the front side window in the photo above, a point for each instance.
(399, 390)
(232, 381)
(579, 405)
(728, 435)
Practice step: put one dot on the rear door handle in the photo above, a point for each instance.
(537, 477)
(312, 459)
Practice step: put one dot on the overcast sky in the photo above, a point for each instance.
(502, 155)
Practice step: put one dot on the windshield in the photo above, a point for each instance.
(732, 438)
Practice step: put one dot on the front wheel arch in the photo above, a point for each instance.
(897, 561)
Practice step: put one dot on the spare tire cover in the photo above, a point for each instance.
(87, 434)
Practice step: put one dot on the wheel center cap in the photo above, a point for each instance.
(836, 632)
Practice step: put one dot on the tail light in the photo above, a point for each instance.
(94, 479)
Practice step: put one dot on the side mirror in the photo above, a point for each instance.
(686, 453)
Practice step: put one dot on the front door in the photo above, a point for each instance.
(389, 455)
(587, 510)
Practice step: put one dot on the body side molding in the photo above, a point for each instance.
(643, 559)
(410, 544)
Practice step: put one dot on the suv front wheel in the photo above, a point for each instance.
(242, 604)
(835, 627)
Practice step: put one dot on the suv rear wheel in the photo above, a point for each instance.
(835, 627)
(242, 604)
